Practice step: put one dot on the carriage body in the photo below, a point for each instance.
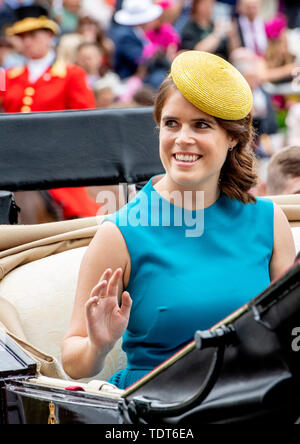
(112, 151)
(26, 399)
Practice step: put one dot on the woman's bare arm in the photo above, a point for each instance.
(97, 320)
(284, 251)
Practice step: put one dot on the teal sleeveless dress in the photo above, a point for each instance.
(189, 270)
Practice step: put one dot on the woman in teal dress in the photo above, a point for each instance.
(193, 245)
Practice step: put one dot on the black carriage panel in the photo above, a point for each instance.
(77, 148)
(246, 370)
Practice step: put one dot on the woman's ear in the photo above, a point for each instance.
(233, 142)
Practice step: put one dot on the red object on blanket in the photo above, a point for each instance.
(75, 388)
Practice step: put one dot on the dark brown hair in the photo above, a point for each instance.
(238, 173)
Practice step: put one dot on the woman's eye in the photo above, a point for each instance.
(170, 123)
(202, 125)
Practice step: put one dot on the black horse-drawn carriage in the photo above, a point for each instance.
(246, 369)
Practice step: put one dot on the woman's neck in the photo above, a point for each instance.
(191, 197)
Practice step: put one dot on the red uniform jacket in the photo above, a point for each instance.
(61, 87)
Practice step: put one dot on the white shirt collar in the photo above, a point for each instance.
(37, 67)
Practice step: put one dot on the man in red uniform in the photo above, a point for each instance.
(47, 84)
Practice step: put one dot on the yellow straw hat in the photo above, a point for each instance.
(212, 84)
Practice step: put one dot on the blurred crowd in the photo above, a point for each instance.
(125, 48)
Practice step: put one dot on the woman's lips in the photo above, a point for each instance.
(187, 159)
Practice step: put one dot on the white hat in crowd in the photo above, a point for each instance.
(110, 80)
(137, 12)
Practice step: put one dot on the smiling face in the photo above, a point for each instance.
(193, 146)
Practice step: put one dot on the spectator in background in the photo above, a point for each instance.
(88, 31)
(163, 37)
(45, 84)
(92, 31)
(277, 53)
(292, 10)
(277, 64)
(108, 87)
(90, 58)
(66, 48)
(269, 8)
(129, 37)
(136, 93)
(179, 13)
(41, 84)
(135, 18)
(68, 15)
(225, 9)
(250, 27)
(202, 34)
(145, 96)
(100, 10)
(280, 61)
(248, 64)
(283, 172)
(107, 90)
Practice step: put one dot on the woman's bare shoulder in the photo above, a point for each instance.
(284, 251)
(108, 247)
(109, 230)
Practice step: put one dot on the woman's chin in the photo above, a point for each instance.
(186, 180)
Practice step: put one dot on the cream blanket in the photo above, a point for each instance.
(39, 270)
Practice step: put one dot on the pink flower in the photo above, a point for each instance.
(275, 27)
(165, 4)
(164, 36)
(150, 49)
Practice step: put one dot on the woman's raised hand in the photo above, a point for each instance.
(106, 320)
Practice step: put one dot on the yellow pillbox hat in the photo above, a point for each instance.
(212, 84)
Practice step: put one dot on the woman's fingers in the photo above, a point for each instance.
(106, 275)
(113, 284)
(126, 304)
(100, 289)
(102, 283)
(108, 284)
(90, 303)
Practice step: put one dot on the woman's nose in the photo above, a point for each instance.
(185, 136)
